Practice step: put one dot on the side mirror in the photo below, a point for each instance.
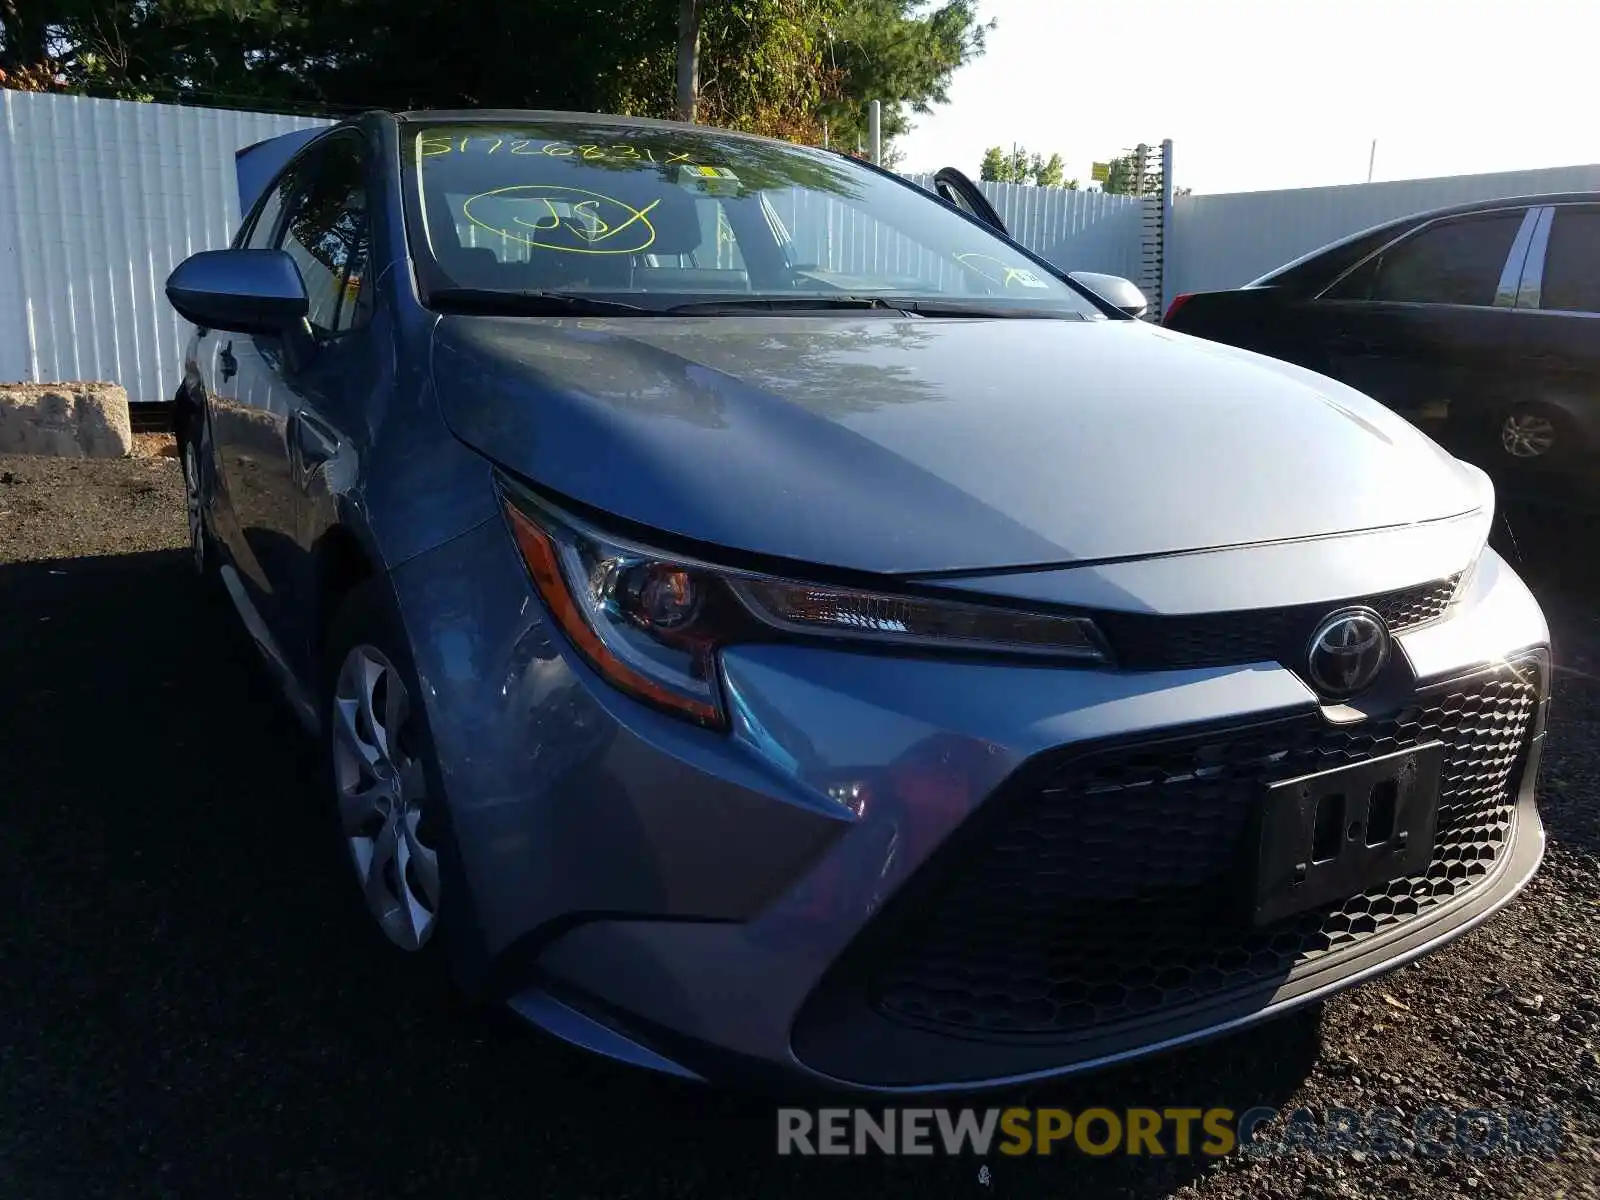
(239, 291)
(1122, 294)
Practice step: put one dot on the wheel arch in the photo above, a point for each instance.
(1580, 410)
(341, 564)
(186, 408)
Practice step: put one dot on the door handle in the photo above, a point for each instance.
(314, 441)
(230, 364)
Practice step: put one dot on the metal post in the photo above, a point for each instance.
(1149, 280)
(824, 134)
(1167, 193)
(875, 129)
(1372, 159)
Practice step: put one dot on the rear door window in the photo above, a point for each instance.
(1572, 262)
(1453, 262)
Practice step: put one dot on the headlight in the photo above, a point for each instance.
(807, 608)
(652, 623)
(1485, 518)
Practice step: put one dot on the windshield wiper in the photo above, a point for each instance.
(524, 304)
(712, 308)
(977, 308)
(910, 305)
(544, 304)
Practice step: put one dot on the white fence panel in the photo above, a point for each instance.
(99, 200)
(1074, 231)
(1225, 241)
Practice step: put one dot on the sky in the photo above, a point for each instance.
(1290, 94)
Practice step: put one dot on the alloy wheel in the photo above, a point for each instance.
(194, 505)
(381, 790)
(1527, 435)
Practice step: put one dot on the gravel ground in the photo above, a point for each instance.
(191, 1005)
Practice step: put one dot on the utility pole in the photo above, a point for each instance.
(1372, 159)
(875, 130)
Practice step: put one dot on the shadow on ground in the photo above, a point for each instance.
(1554, 547)
(1557, 551)
(192, 1004)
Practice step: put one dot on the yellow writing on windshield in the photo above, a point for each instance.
(433, 145)
(566, 219)
(998, 273)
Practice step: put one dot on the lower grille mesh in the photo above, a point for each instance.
(1113, 891)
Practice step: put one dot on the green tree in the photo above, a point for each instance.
(900, 52)
(1047, 174)
(1019, 166)
(244, 52)
(30, 35)
(1003, 166)
(780, 67)
(1126, 179)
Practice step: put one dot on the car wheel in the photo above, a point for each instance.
(1533, 431)
(202, 550)
(380, 755)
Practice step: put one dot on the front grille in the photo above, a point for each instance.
(1113, 891)
(1145, 642)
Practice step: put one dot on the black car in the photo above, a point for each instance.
(1480, 323)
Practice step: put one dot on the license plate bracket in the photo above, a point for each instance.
(1337, 833)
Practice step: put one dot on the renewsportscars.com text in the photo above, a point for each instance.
(1155, 1132)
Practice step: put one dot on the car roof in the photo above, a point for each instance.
(1467, 209)
(1279, 274)
(1509, 202)
(1471, 207)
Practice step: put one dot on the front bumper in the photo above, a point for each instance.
(714, 904)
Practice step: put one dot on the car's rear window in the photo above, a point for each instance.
(1572, 262)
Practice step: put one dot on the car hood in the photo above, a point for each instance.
(922, 444)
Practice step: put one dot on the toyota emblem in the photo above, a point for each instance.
(1347, 651)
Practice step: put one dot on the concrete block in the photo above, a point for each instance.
(66, 420)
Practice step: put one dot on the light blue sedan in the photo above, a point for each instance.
(763, 621)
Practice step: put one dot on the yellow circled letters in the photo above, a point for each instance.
(531, 214)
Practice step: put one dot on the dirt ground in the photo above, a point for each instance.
(192, 1005)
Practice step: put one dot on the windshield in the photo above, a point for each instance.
(664, 218)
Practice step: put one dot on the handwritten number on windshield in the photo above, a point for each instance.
(432, 145)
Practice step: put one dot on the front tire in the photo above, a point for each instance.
(379, 758)
(202, 549)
